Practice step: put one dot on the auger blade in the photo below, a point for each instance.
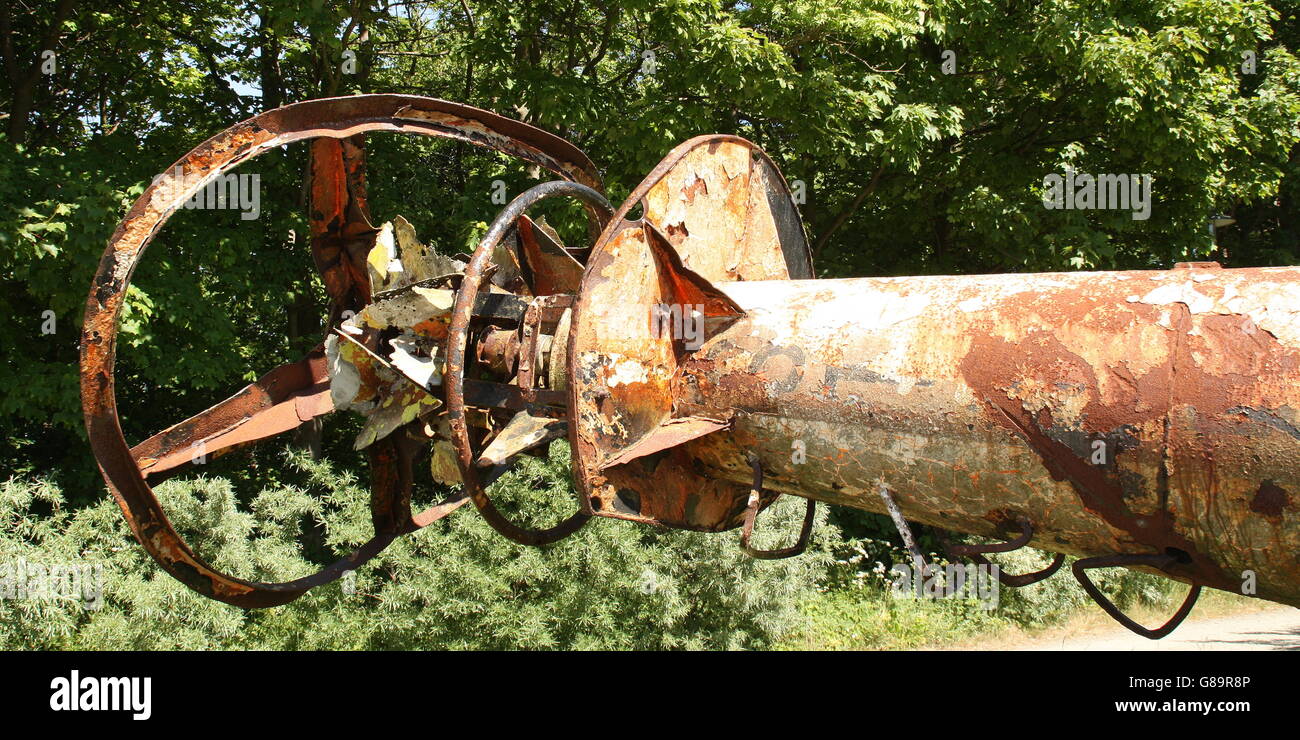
(524, 432)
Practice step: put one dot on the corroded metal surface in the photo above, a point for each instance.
(1129, 412)
(279, 401)
(726, 210)
(341, 231)
(476, 273)
(621, 368)
(715, 209)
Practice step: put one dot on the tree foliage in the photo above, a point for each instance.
(920, 131)
(909, 166)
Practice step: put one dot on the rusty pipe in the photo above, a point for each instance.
(1122, 412)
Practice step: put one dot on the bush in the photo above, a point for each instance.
(457, 584)
(859, 611)
(1055, 599)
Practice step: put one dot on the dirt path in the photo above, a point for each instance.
(1267, 629)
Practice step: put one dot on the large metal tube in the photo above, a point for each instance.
(1121, 412)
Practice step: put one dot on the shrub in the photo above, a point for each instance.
(859, 609)
(456, 584)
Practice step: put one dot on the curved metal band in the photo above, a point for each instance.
(669, 161)
(332, 117)
(751, 514)
(457, 344)
(976, 553)
(1161, 562)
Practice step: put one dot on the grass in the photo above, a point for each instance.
(871, 619)
(867, 619)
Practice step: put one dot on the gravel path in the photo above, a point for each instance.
(1272, 629)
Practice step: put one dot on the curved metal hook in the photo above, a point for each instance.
(1162, 562)
(977, 552)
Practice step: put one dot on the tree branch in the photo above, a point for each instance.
(844, 215)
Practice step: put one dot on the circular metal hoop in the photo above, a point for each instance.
(458, 340)
(334, 118)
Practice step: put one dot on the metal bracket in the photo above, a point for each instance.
(977, 552)
(1162, 562)
(751, 513)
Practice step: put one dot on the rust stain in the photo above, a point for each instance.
(1270, 500)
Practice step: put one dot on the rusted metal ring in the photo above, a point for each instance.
(976, 554)
(1160, 562)
(751, 514)
(332, 117)
(458, 341)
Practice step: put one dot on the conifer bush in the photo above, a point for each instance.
(455, 585)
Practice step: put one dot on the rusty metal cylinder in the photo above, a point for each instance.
(1121, 412)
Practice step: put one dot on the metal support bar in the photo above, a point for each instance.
(751, 513)
(904, 530)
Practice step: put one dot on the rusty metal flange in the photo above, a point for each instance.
(715, 209)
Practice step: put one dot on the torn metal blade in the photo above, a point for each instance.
(524, 432)
(670, 434)
(553, 270)
(279, 401)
